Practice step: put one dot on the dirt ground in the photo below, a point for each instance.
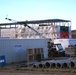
(36, 73)
(18, 70)
(24, 71)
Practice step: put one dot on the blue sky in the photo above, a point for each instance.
(38, 9)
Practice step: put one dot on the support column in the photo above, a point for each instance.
(0, 31)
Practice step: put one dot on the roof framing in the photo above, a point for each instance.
(36, 22)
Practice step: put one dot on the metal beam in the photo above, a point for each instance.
(36, 22)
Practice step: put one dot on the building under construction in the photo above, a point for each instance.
(34, 41)
(51, 28)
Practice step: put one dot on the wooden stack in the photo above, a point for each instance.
(35, 54)
(71, 50)
(30, 55)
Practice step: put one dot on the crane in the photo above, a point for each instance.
(38, 33)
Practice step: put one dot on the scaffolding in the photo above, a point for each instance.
(35, 29)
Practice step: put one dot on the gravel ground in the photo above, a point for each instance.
(17, 70)
(2, 73)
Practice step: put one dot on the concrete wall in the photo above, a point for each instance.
(16, 49)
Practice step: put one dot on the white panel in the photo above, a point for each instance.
(63, 42)
(13, 53)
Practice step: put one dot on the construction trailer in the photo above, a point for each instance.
(16, 50)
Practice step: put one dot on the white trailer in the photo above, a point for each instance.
(65, 42)
(15, 50)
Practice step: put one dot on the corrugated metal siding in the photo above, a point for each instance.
(7, 48)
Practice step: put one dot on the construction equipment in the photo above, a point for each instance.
(55, 50)
(38, 33)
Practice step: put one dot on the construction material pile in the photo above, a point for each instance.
(69, 63)
(71, 50)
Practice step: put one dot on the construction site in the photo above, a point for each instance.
(38, 45)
